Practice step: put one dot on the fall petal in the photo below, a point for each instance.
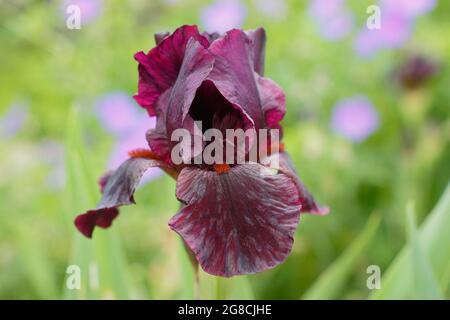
(103, 218)
(118, 190)
(307, 200)
(238, 222)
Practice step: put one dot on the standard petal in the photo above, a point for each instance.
(273, 101)
(234, 76)
(158, 70)
(173, 105)
(196, 66)
(238, 222)
(258, 39)
(157, 138)
(118, 191)
(307, 200)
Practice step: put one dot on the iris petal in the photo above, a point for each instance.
(258, 39)
(238, 222)
(273, 102)
(157, 137)
(158, 70)
(173, 105)
(307, 200)
(196, 66)
(118, 190)
(233, 75)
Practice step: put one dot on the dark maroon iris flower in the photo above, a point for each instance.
(233, 218)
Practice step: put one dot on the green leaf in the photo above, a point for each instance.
(39, 271)
(77, 198)
(434, 237)
(331, 282)
(425, 285)
(101, 260)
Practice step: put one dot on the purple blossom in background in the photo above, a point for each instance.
(90, 9)
(395, 30)
(275, 9)
(119, 114)
(355, 118)
(332, 17)
(223, 15)
(397, 21)
(130, 141)
(409, 8)
(14, 120)
(135, 139)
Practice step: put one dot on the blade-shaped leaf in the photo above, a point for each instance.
(100, 259)
(424, 282)
(330, 283)
(434, 237)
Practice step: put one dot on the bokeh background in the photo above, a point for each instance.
(367, 126)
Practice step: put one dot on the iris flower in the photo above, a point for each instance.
(235, 219)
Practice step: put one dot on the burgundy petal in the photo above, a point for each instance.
(234, 77)
(238, 222)
(258, 39)
(196, 66)
(103, 218)
(158, 70)
(213, 110)
(307, 200)
(173, 105)
(118, 191)
(104, 180)
(273, 101)
(157, 138)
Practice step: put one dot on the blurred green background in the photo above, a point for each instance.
(53, 147)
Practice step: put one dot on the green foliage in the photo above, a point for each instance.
(330, 283)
